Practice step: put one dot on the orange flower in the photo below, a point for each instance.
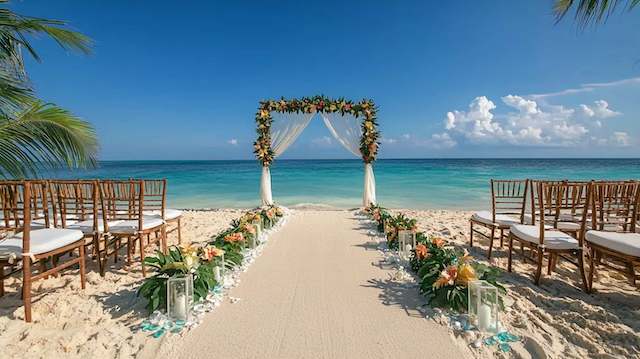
(210, 252)
(249, 229)
(466, 274)
(438, 242)
(422, 251)
(234, 237)
(447, 277)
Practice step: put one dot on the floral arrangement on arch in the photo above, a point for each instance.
(200, 260)
(443, 271)
(365, 109)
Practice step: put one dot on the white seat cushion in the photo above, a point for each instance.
(569, 226)
(131, 226)
(41, 241)
(169, 213)
(553, 239)
(87, 226)
(502, 220)
(626, 243)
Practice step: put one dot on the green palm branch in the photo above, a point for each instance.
(591, 11)
(43, 137)
(34, 135)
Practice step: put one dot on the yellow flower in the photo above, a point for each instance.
(264, 114)
(466, 274)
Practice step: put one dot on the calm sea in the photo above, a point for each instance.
(414, 183)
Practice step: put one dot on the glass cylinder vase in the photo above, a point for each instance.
(179, 297)
(484, 306)
(406, 243)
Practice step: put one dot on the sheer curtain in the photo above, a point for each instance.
(285, 129)
(346, 129)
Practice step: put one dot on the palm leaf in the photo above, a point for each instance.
(44, 136)
(591, 11)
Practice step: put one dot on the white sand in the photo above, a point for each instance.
(318, 289)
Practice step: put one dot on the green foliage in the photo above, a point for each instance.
(194, 260)
(35, 135)
(591, 11)
(154, 289)
(44, 136)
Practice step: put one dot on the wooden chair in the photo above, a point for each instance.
(544, 239)
(76, 206)
(123, 220)
(564, 212)
(508, 199)
(612, 239)
(21, 243)
(155, 194)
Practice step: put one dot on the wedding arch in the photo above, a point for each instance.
(353, 124)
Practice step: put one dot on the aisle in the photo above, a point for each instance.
(317, 292)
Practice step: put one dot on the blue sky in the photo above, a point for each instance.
(181, 80)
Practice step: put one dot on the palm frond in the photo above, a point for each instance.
(591, 11)
(44, 136)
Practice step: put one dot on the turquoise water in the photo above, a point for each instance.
(420, 183)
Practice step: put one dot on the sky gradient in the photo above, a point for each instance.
(451, 79)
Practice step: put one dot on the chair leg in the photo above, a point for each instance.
(510, 252)
(493, 233)
(580, 255)
(144, 272)
(82, 267)
(539, 267)
(1, 280)
(501, 237)
(632, 273)
(470, 234)
(163, 239)
(551, 257)
(179, 232)
(26, 288)
(592, 268)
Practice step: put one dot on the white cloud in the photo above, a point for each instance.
(441, 141)
(600, 109)
(233, 142)
(528, 123)
(406, 136)
(322, 141)
(587, 88)
(389, 140)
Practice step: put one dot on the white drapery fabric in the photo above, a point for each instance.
(285, 129)
(346, 129)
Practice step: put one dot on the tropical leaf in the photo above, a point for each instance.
(590, 11)
(44, 136)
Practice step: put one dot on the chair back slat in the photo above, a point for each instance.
(121, 200)
(615, 206)
(555, 197)
(508, 197)
(155, 195)
(16, 211)
(74, 201)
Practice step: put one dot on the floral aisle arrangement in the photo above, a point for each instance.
(364, 109)
(444, 274)
(443, 271)
(227, 250)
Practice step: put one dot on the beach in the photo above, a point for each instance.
(326, 282)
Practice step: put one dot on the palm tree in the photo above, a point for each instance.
(591, 11)
(35, 135)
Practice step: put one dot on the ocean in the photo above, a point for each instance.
(401, 183)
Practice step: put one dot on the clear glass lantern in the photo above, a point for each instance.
(180, 297)
(258, 227)
(484, 306)
(406, 243)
